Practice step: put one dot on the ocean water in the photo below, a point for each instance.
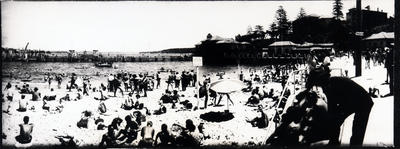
(35, 69)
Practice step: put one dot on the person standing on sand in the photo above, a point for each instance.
(345, 97)
(177, 80)
(389, 68)
(170, 80)
(73, 79)
(49, 79)
(25, 131)
(85, 87)
(110, 83)
(185, 80)
(59, 80)
(117, 86)
(158, 79)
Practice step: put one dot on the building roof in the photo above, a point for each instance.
(282, 43)
(381, 35)
(227, 40)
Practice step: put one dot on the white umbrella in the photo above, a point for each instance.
(227, 86)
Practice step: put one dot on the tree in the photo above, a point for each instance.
(302, 13)
(249, 30)
(259, 28)
(283, 24)
(259, 32)
(337, 9)
(273, 30)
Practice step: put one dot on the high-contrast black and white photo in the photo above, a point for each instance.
(199, 74)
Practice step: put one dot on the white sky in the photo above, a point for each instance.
(145, 26)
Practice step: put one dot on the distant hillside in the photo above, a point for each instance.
(174, 50)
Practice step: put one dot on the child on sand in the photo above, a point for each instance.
(25, 131)
(23, 104)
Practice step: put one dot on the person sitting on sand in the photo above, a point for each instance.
(67, 141)
(128, 103)
(83, 122)
(109, 138)
(65, 98)
(129, 134)
(175, 97)
(260, 122)
(23, 104)
(102, 107)
(260, 93)
(36, 95)
(103, 87)
(253, 100)
(166, 140)
(116, 124)
(78, 96)
(166, 98)
(102, 97)
(25, 131)
(213, 96)
(52, 95)
(25, 89)
(8, 86)
(188, 137)
(147, 134)
(45, 105)
(161, 110)
(8, 92)
(139, 117)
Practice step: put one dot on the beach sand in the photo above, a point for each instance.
(233, 132)
(48, 125)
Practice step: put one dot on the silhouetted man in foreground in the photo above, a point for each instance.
(345, 97)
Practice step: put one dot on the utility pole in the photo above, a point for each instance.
(357, 51)
(396, 75)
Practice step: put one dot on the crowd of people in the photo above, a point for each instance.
(137, 86)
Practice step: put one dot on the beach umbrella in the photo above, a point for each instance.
(227, 86)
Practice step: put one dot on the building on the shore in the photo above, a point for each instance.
(287, 51)
(216, 50)
(280, 49)
(370, 18)
(378, 40)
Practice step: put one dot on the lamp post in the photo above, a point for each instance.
(357, 51)
(396, 75)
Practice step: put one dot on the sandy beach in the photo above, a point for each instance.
(233, 132)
